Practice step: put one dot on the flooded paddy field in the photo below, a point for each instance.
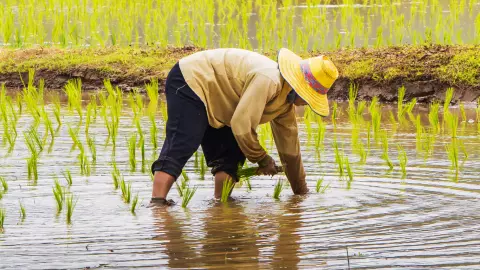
(265, 25)
(395, 190)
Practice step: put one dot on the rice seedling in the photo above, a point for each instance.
(68, 177)
(385, 150)
(227, 188)
(334, 113)
(134, 204)
(116, 176)
(452, 122)
(141, 142)
(132, 143)
(70, 202)
(202, 167)
(73, 89)
(59, 195)
(348, 169)
(4, 184)
(452, 153)
(153, 132)
(3, 214)
(93, 148)
(23, 211)
(279, 186)
(319, 187)
(73, 132)
(402, 159)
(401, 96)
(126, 191)
(433, 116)
(376, 113)
(188, 195)
(448, 99)
(339, 159)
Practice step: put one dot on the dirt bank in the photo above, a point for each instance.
(425, 71)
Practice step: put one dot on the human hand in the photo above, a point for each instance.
(267, 166)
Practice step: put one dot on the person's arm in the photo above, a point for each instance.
(285, 134)
(258, 91)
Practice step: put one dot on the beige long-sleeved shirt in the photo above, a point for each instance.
(243, 89)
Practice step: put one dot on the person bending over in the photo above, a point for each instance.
(217, 98)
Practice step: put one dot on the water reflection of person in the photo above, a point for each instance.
(287, 246)
(231, 237)
(172, 233)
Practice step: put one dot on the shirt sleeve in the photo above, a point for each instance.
(258, 91)
(285, 134)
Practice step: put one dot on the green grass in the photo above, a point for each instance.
(279, 186)
(70, 202)
(227, 188)
(188, 195)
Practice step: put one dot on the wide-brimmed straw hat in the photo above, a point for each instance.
(310, 78)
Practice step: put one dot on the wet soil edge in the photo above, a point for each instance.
(425, 71)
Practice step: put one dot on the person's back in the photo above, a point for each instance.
(220, 76)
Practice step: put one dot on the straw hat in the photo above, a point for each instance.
(310, 78)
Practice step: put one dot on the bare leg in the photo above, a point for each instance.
(220, 177)
(162, 183)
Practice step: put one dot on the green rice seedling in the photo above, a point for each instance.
(4, 184)
(185, 175)
(385, 150)
(348, 169)
(401, 96)
(420, 133)
(142, 152)
(334, 113)
(132, 143)
(463, 149)
(402, 159)
(152, 92)
(73, 89)
(339, 159)
(448, 99)
(322, 127)
(452, 123)
(3, 214)
(376, 121)
(59, 195)
(116, 176)
(73, 132)
(32, 167)
(202, 167)
(134, 204)
(68, 177)
(228, 186)
(320, 188)
(93, 148)
(433, 116)
(126, 191)
(23, 211)
(153, 132)
(462, 112)
(411, 105)
(70, 202)
(279, 186)
(188, 195)
(452, 153)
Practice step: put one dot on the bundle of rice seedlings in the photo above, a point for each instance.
(319, 187)
(228, 185)
(188, 195)
(134, 204)
(23, 212)
(279, 186)
(58, 195)
(70, 203)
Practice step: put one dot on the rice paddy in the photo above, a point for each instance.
(300, 25)
(93, 162)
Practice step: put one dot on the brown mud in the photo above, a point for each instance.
(425, 71)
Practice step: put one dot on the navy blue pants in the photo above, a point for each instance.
(188, 128)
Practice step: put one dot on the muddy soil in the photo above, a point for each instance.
(377, 72)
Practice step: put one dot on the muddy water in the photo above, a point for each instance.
(428, 220)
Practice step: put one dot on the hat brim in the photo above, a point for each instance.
(289, 64)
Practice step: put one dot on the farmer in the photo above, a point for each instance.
(217, 98)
